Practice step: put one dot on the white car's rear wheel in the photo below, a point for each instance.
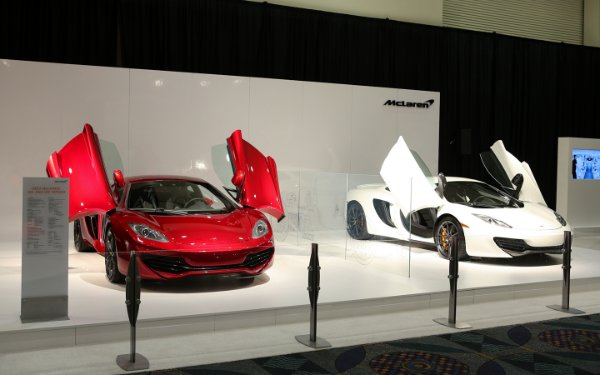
(445, 229)
(357, 222)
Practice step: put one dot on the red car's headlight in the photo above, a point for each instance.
(145, 231)
(260, 229)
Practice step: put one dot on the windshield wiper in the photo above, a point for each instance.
(481, 205)
(160, 211)
(209, 212)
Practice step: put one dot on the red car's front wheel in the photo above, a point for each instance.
(110, 258)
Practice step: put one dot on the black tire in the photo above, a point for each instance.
(356, 222)
(110, 258)
(80, 244)
(445, 228)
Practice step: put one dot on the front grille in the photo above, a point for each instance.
(165, 264)
(178, 265)
(515, 246)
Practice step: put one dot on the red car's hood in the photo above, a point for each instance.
(207, 231)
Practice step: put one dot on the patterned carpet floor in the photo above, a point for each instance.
(564, 346)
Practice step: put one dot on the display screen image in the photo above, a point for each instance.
(586, 164)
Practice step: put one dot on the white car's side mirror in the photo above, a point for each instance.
(441, 186)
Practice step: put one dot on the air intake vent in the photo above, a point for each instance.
(551, 20)
(177, 265)
(516, 247)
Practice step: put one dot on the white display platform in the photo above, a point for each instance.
(372, 278)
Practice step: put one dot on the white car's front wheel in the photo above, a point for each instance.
(446, 228)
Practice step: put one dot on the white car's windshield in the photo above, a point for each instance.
(478, 194)
(176, 197)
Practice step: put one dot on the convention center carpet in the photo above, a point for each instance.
(563, 346)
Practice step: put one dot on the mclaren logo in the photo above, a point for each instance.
(402, 103)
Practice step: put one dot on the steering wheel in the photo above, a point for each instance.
(482, 199)
(191, 201)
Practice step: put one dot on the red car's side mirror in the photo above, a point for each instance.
(118, 178)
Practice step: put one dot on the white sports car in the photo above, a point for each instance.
(413, 205)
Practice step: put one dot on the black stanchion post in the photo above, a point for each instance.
(566, 288)
(132, 361)
(453, 278)
(314, 279)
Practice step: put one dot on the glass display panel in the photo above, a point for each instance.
(287, 230)
(112, 159)
(376, 236)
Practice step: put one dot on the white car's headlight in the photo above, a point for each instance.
(145, 231)
(491, 220)
(260, 229)
(560, 219)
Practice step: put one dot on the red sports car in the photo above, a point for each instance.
(179, 226)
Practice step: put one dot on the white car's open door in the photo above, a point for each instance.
(408, 180)
(504, 168)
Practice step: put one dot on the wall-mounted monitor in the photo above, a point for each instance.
(585, 164)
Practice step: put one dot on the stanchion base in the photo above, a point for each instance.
(317, 344)
(446, 322)
(124, 362)
(568, 311)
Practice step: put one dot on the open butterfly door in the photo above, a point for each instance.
(407, 180)
(254, 176)
(80, 160)
(505, 169)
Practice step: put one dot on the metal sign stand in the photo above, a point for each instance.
(453, 277)
(566, 288)
(132, 361)
(314, 277)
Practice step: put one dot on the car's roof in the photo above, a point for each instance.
(132, 179)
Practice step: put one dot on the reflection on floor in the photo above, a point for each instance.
(204, 320)
(350, 271)
(379, 268)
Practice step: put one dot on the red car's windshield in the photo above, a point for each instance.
(177, 196)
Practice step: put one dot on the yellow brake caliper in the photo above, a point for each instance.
(444, 239)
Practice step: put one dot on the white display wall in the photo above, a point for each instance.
(167, 123)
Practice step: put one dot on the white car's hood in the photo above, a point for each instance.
(532, 216)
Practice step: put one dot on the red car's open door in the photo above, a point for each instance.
(254, 176)
(80, 160)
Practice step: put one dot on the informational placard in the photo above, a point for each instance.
(44, 281)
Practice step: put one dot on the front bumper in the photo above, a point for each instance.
(513, 243)
(172, 264)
